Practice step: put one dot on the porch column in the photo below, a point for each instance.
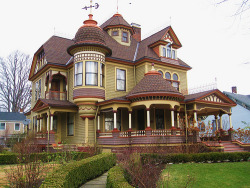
(216, 122)
(41, 123)
(115, 126)
(86, 130)
(47, 122)
(230, 120)
(98, 122)
(38, 124)
(172, 117)
(195, 118)
(220, 121)
(51, 122)
(148, 117)
(129, 120)
(178, 119)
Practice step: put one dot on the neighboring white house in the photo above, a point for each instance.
(11, 123)
(240, 113)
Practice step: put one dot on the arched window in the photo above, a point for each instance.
(168, 76)
(160, 72)
(176, 82)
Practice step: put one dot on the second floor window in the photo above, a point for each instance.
(169, 51)
(175, 82)
(78, 74)
(102, 75)
(120, 79)
(124, 37)
(91, 73)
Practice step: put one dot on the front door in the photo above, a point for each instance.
(159, 117)
(141, 119)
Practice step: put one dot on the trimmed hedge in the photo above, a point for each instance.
(116, 178)
(44, 157)
(197, 157)
(79, 172)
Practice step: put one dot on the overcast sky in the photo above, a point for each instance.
(214, 42)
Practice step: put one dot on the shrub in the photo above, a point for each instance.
(198, 157)
(116, 178)
(79, 172)
(8, 159)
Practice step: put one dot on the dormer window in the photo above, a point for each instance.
(124, 36)
(173, 54)
(115, 33)
(168, 51)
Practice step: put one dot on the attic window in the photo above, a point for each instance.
(115, 33)
(41, 61)
(168, 51)
(124, 36)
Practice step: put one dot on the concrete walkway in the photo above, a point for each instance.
(99, 182)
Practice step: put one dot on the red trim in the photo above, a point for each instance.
(155, 94)
(114, 111)
(112, 101)
(115, 130)
(148, 129)
(148, 109)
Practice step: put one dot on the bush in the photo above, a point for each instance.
(43, 157)
(116, 178)
(198, 157)
(79, 172)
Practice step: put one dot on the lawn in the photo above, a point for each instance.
(206, 175)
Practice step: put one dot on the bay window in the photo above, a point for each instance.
(102, 75)
(120, 79)
(78, 74)
(91, 73)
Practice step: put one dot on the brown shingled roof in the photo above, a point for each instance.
(197, 95)
(153, 83)
(56, 50)
(115, 20)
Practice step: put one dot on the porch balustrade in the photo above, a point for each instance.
(56, 95)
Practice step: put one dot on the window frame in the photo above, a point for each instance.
(15, 127)
(87, 73)
(75, 74)
(115, 31)
(70, 123)
(177, 81)
(125, 38)
(161, 72)
(169, 75)
(1, 126)
(102, 74)
(125, 79)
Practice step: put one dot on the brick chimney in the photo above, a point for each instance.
(234, 89)
(137, 29)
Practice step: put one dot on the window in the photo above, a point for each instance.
(91, 73)
(173, 54)
(120, 79)
(124, 37)
(78, 74)
(102, 75)
(17, 126)
(169, 51)
(70, 124)
(55, 123)
(109, 121)
(2, 126)
(115, 33)
(168, 76)
(161, 73)
(164, 52)
(175, 82)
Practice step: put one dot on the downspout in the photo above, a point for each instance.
(186, 122)
(95, 121)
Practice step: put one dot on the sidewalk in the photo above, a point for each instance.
(99, 182)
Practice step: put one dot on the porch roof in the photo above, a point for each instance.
(42, 104)
(122, 99)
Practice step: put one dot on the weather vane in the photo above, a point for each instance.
(91, 6)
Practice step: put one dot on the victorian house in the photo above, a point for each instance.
(109, 86)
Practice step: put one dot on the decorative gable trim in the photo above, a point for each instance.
(213, 98)
(170, 36)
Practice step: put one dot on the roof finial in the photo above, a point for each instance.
(91, 6)
(117, 6)
(170, 20)
(153, 67)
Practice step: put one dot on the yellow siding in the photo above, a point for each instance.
(140, 71)
(70, 84)
(111, 80)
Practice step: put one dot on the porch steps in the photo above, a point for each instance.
(231, 147)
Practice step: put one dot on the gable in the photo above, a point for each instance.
(171, 37)
(214, 98)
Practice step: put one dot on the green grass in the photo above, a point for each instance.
(206, 175)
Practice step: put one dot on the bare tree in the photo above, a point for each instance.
(14, 85)
(242, 6)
